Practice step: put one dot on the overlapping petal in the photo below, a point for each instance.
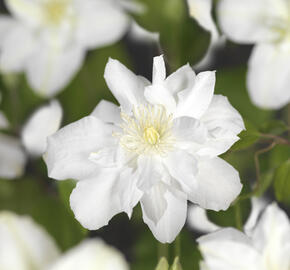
(107, 112)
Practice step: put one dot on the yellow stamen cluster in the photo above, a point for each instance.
(55, 11)
(147, 131)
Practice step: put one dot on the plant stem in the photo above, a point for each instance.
(162, 250)
(177, 246)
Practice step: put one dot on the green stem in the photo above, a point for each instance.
(162, 250)
(177, 246)
(238, 218)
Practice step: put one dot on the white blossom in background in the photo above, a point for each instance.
(139, 34)
(200, 10)
(91, 254)
(25, 245)
(160, 147)
(197, 218)
(48, 39)
(12, 155)
(266, 247)
(42, 123)
(266, 24)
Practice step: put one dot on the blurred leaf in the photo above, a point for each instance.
(266, 180)
(162, 265)
(282, 183)
(176, 264)
(248, 137)
(32, 197)
(275, 127)
(65, 188)
(182, 39)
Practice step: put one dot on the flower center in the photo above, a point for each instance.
(55, 11)
(147, 131)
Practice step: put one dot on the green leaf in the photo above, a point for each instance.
(162, 265)
(65, 188)
(282, 183)
(248, 137)
(275, 127)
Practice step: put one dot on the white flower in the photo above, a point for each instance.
(200, 10)
(12, 156)
(159, 147)
(266, 247)
(24, 245)
(43, 122)
(138, 34)
(266, 24)
(48, 39)
(91, 254)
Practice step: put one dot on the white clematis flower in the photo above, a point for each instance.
(266, 24)
(266, 247)
(25, 245)
(48, 39)
(200, 10)
(159, 147)
(12, 155)
(43, 122)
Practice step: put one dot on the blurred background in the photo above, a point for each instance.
(182, 40)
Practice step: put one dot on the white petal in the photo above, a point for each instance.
(91, 254)
(173, 218)
(272, 236)
(200, 10)
(44, 122)
(183, 167)
(12, 157)
(50, 68)
(228, 249)
(251, 21)
(181, 79)
(24, 244)
(127, 88)
(268, 76)
(224, 123)
(6, 24)
(96, 200)
(4, 123)
(13, 57)
(69, 148)
(159, 70)
(112, 23)
(187, 129)
(139, 34)
(107, 112)
(195, 101)
(218, 184)
(27, 11)
(198, 220)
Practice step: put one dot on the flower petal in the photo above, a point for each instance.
(268, 76)
(13, 57)
(12, 157)
(171, 222)
(50, 69)
(183, 167)
(91, 254)
(96, 200)
(124, 84)
(272, 237)
(251, 21)
(224, 123)
(44, 122)
(159, 70)
(4, 123)
(181, 79)
(27, 11)
(218, 184)
(24, 244)
(69, 148)
(107, 112)
(6, 24)
(223, 249)
(195, 101)
(111, 26)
